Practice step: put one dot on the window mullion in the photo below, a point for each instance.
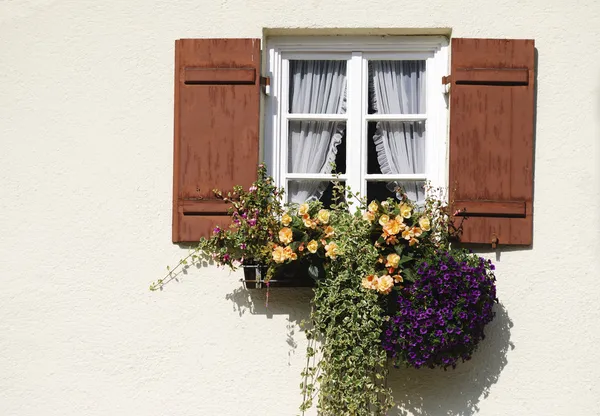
(283, 110)
(354, 148)
(364, 123)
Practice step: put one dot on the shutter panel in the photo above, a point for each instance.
(491, 139)
(217, 94)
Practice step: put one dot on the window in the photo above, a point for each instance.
(371, 111)
(373, 106)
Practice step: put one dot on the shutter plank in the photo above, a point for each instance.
(217, 97)
(220, 75)
(491, 76)
(194, 207)
(491, 138)
(492, 208)
(193, 227)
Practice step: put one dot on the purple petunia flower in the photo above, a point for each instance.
(441, 315)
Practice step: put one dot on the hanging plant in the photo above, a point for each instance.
(388, 286)
(440, 318)
(347, 322)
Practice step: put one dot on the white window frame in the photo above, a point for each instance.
(357, 50)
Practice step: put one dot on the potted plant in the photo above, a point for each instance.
(440, 317)
(388, 285)
(253, 230)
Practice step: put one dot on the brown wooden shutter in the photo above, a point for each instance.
(217, 93)
(491, 139)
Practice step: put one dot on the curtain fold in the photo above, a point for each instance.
(317, 87)
(398, 87)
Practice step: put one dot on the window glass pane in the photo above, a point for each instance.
(396, 87)
(384, 190)
(317, 87)
(313, 146)
(396, 147)
(299, 191)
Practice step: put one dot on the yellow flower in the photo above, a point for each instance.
(392, 260)
(323, 216)
(369, 216)
(370, 282)
(407, 234)
(308, 223)
(312, 246)
(385, 284)
(289, 254)
(286, 220)
(329, 231)
(405, 210)
(303, 209)
(413, 241)
(392, 227)
(285, 235)
(384, 219)
(331, 250)
(373, 207)
(417, 231)
(424, 223)
(397, 278)
(391, 240)
(279, 254)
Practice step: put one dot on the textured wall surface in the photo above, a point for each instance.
(86, 100)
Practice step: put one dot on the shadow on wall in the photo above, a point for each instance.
(294, 302)
(427, 392)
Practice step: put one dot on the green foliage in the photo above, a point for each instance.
(255, 220)
(255, 215)
(346, 324)
(357, 254)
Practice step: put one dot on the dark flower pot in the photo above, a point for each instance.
(290, 275)
(254, 274)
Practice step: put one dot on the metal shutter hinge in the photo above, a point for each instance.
(446, 82)
(494, 241)
(266, 83)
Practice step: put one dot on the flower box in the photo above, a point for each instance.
(290, 276)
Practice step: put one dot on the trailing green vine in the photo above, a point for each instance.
(346, 322)
(388, 285)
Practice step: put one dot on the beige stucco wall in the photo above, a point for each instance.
(86, 102)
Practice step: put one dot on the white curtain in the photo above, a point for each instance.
(398, 87)
(317, 87)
